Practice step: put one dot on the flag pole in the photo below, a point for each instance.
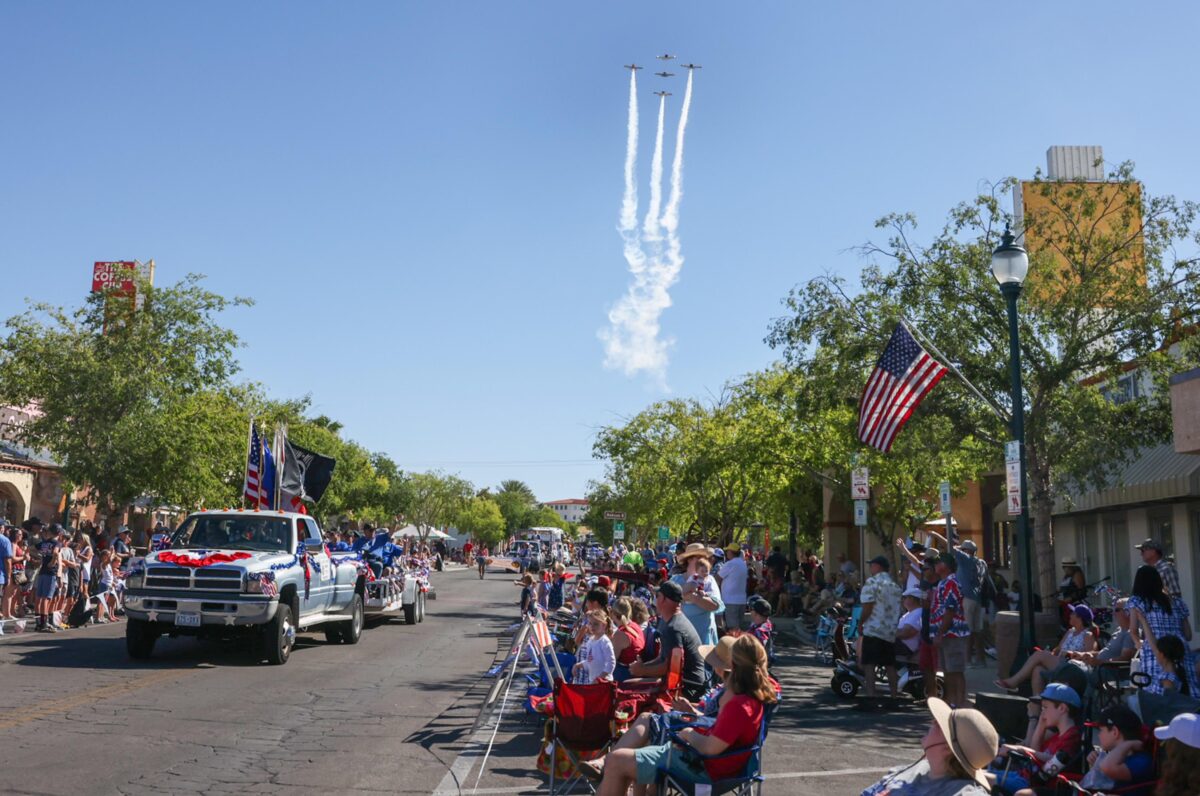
(995, 407)
(249, 450)
(280, 456)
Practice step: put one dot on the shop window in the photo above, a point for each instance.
(1121, 557)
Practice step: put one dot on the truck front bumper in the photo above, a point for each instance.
(199, 609)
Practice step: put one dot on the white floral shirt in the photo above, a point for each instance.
(885, 594)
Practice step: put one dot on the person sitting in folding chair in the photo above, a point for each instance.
(674, 630)
(700, 756)
(957, 749)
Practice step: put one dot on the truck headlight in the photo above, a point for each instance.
(253, 586)
(134, 580)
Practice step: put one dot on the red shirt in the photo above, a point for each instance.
(737, 724)
(1065, 741)
(637, 642)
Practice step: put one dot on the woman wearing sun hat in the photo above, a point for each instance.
(958, 746)
(701, 594)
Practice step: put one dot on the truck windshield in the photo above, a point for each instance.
(233, 532)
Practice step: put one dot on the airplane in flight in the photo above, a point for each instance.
(665, 57)
(633, 66)
(691, 66)
(665, 74)
(662, 93)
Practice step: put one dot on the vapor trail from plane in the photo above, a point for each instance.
(650, 227)
(670, 219)
(631, 341)
(629, 202)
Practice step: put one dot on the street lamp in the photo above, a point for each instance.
(1010, 264)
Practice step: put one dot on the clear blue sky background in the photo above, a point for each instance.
(436, 185)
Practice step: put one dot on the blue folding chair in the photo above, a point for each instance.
(748, 783)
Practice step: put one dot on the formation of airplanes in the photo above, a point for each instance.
(664, 57)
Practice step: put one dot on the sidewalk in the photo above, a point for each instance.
(978, 680)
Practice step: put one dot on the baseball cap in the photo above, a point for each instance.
(1149, 544)
(604, 582)
(671, 590)
(881, 562)
(969, 545)
(1184, 728)
(914, 592)
(1122, 718)
(1057, 692)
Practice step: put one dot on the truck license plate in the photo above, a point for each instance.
(187, 619)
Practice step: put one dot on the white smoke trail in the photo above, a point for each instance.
(670, 220)
(631, 341)
(629, 202)
(650, 231)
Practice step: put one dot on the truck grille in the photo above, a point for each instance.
(200, 579)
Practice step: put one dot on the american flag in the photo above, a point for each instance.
(254, 492)
(902, 377)
(541, 633)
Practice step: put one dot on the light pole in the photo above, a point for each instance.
(1010, 264)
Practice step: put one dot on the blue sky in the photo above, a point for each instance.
(437, 184)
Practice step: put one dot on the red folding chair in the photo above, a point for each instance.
(582, 728)
(643, 693)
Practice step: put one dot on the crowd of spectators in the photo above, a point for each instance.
(60, 577)
(639, 606)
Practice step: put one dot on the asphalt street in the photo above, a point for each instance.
(396, 713)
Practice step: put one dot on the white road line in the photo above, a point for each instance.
(455, 781)
(842, 772)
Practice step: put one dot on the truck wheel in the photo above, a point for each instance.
(350, 631)
(139, 639)
(421, 607)
(410, 614)
(279, 635)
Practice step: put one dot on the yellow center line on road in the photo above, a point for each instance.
(84, 698)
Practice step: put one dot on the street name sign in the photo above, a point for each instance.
(614, 515)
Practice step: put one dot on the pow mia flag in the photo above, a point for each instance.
(306, 474)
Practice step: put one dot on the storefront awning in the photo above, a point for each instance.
(1158, 475)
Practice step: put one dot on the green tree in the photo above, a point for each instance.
(516, 501)
(1105, 290)
(482, 520)
(132, 405)
(436, 500)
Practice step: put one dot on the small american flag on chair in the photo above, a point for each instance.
(541, 633)
(902, 377)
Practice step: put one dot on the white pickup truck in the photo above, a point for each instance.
(256, 575)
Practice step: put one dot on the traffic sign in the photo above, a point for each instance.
(664, 533)
(614, 515)
(860, 513)
(860, 488)
(618, 535)
(1012, 472)
(944, 492)
(618, 526)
